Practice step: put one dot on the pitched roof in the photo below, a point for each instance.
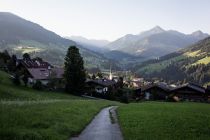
(192, 86)
(162, 86)
(102, 82)
(44, 73)
(33, 63)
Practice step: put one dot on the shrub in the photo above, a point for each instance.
(16, 80)
(38, 85)
(124, 98)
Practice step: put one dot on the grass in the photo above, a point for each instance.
(157, 67)
(27, 114)
(193, 54)
(205, 61)
(8, 91)
(54, 121)
(163, 121)
(27, 49)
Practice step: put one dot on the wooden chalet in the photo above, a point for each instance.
(101, 86)
(158, 91)
(39, 70)
(190, 92)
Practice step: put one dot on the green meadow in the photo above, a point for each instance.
(165, 121)
(27, 114)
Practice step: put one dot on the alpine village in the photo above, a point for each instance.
(152, 85)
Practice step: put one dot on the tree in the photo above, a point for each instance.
(16, 79)
(25, 77)
(26, 56)
(74, 72)
(120, 82)
(5, 56)
(93, 77)
(100, 75)
(38, 85)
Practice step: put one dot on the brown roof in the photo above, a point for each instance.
(191, 86)
(34, 63)
(43, 73)
(159, 85)
(102, 82)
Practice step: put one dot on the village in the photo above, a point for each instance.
(41, 75)
(104, 70)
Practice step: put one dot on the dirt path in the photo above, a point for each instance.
(103, 127)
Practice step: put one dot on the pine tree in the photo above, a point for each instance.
(26, 56)
(74, 71)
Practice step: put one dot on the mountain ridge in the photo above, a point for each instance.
(155, 40)
(189, 64)
(19, 36)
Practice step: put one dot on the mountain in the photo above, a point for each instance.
(14, 29)
(155, 42)
(189, 64)
(19, 36)
(91, 44)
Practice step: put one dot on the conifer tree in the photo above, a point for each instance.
(74, 71)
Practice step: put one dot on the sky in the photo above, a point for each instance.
(112, 19)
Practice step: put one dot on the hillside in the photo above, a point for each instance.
(31, 114)
(189, 64)
(155, 42)
(19, 36)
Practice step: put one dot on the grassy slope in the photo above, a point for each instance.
(8, 91)
(157, 67)
(54, 121)
(55, 53)
(205, 61)
(29, 114)
(153, 120)
(198, 52)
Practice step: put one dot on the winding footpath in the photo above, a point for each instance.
(103, 127)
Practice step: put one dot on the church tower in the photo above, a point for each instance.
(110, 73)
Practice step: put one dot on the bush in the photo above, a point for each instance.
(38, 85)
(16, 80)
(124, 98)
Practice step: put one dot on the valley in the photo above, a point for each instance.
(104, 70)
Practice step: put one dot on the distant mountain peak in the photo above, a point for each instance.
(154, 30)
(155, 42)
(93, 42)
(157, 29)
(199, 34)
(6, 13)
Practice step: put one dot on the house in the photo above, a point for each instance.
(37, 69)
(138, 94)
(190, 92)
(136, 82)
(101, 86)
(158, 91)
(186, 92)
(43, 74)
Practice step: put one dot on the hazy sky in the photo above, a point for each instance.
(111, 19)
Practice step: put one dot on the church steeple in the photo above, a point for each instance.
(110, 73)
